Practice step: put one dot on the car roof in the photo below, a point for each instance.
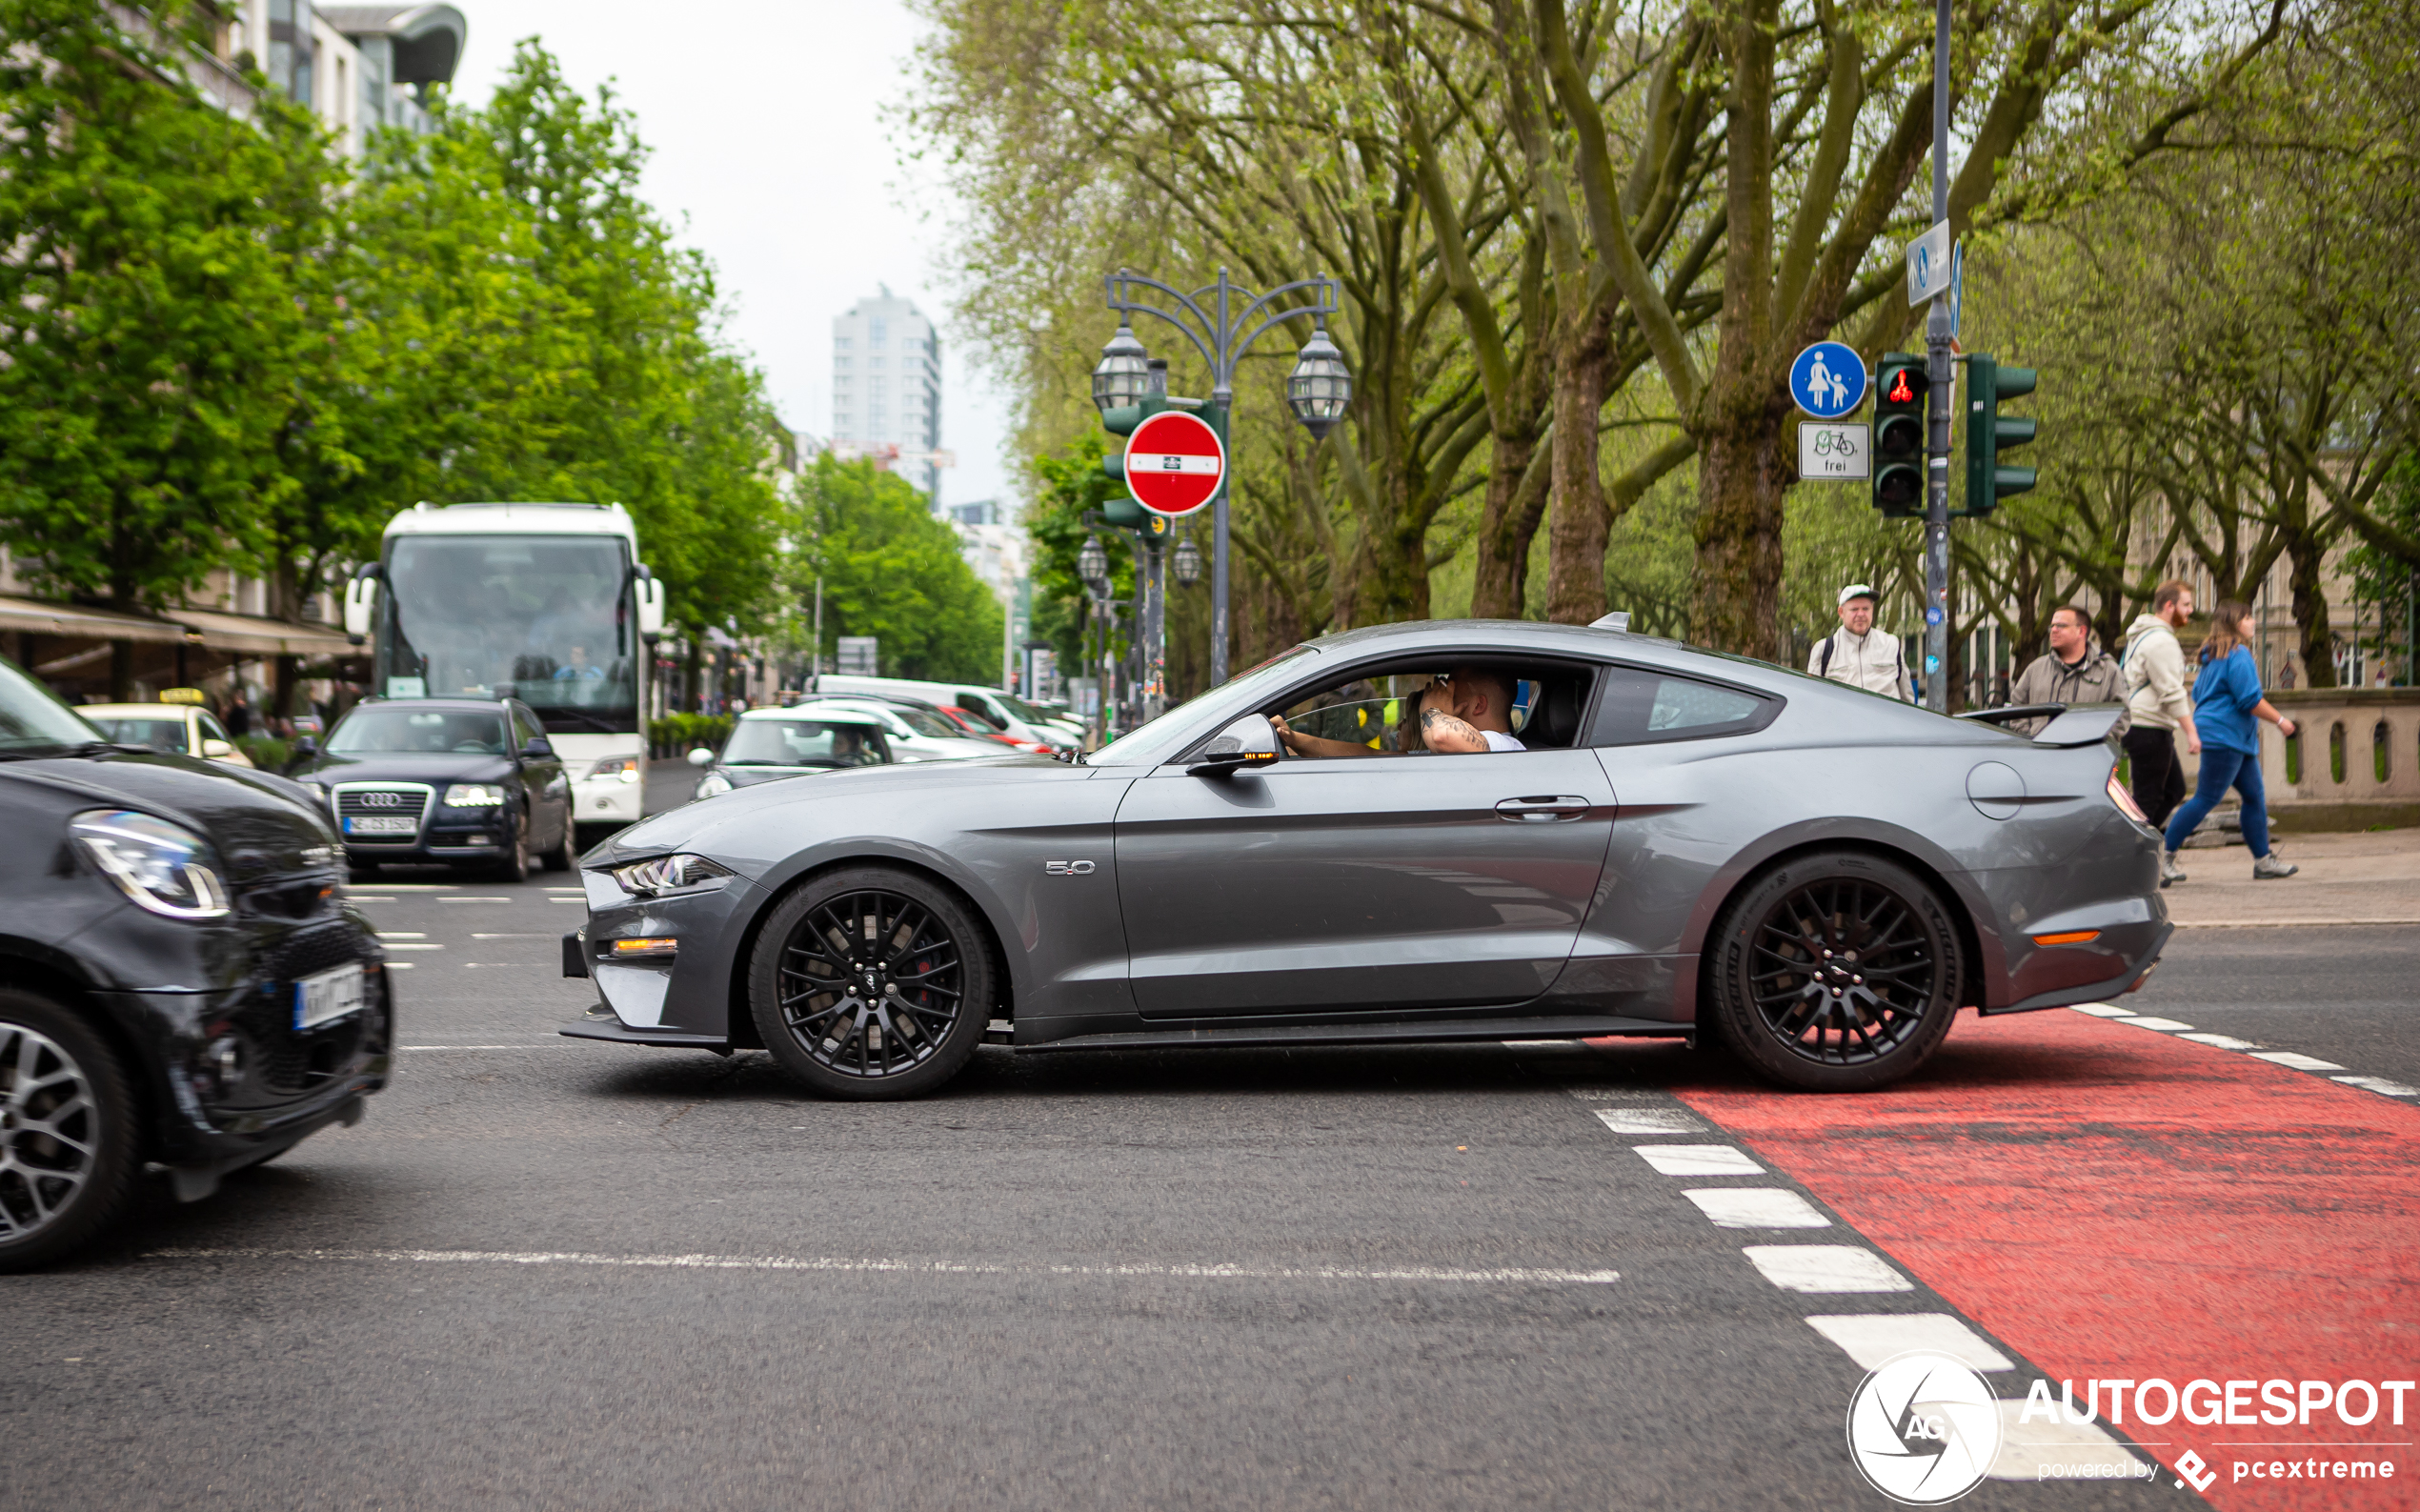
(489, 705)
(130, 711)
(900, 699)
(819, 715)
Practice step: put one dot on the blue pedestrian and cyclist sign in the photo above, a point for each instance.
(1828, 380)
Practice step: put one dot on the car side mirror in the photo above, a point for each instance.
(217, 750)
(1250, 741)
(701, 758)
(304, 748)
(540, 749)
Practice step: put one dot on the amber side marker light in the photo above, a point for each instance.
(660, 946)
(2073, 936)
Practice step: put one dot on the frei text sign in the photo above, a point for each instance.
(1174, 463)
(1832, 453)
(1929, 266)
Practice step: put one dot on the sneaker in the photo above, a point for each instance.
(2170, 871)
(2269, 867)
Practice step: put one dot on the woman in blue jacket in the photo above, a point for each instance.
(2227, 700)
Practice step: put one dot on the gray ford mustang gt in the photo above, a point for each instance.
(1686, 844)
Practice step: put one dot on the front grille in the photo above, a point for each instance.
(308, 952)
(409, 800)
(283, 1062)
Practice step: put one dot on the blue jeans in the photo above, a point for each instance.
(2220, 768)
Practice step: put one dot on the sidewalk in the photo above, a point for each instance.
(2365, 878)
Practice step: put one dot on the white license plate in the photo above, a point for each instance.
(329, 996)
(380, 824)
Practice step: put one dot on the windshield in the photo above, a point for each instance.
(547, 618)
(160, 734)
(32, 718)
(924, 721)
(394, 728)
(1022, 710)
(802, 742)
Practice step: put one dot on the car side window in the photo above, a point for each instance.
(1641, 706)
(975, 705)
(525, 728)
(212, 729)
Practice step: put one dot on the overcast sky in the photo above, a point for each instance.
(772, 157)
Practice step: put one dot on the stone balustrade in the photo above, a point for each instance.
(2353, 763)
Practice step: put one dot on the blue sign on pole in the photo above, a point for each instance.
(1957, 287)
(1828, 380)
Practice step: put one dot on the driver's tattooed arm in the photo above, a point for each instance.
(1440, 730)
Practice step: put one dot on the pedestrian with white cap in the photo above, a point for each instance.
(1859, 655)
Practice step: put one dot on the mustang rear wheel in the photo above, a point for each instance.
(67, 1132)
(871, 982)
(1836, 972)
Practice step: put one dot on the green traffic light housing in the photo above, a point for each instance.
(1900, 387)
(1989, 433)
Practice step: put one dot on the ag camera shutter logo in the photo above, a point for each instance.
(1924, 1428)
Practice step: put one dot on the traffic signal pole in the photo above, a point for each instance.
(1941, 367)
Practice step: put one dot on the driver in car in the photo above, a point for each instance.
(1467, 711)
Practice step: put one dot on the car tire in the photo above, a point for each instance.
(60, 1085)
(516, 865)
(933, 983)
(566, 853)
(1792, 984)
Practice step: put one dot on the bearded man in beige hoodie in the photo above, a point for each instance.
(2159, 702)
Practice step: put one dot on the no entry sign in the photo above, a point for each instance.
(1174, 463)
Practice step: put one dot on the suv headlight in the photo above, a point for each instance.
(669, 874)
(620, 769)
(714, 784)
(163, 867)
(472, 795)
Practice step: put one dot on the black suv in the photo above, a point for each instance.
(469, 781)
(181, 980)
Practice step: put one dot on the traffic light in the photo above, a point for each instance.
(1123, 510)
(1988, 433)
(1898, 437)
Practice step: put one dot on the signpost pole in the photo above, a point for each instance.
(1942, 370)
(1221, 397)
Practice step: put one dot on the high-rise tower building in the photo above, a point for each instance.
(886, 388)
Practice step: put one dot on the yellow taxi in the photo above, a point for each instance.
(178, 723)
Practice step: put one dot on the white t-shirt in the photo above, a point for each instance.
(1498, 740)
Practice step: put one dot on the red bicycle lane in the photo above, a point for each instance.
(2122, 1206)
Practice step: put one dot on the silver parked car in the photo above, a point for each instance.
(1665, 841)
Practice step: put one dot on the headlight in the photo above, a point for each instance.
(473, 796)
(669, 874)
(620, 769)
(713, 784)
(163, 867)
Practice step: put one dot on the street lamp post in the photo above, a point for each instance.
(1318, 390)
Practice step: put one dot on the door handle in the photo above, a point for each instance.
(1546, 809)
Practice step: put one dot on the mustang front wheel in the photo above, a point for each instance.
(870, 983)
(1837, 972)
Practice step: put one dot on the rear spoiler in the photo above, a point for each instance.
(2086, 724)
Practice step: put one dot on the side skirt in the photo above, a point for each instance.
(1433, 1030)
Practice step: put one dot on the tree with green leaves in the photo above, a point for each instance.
(891, 569)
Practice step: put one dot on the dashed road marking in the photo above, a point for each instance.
(1871, 1338)
(1650, 1120)
(1757, 1207)
(409, 945)
(2104, 1010)
(2296, 1060)
(2167, 1026)
(2025, 1448)
(1697, 1160)
(467, 897)
(1826, 1268)
(2222, 1041)
(937, 1267)
(2379, 1084)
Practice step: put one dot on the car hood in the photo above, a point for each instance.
(949, 748)
(749, 776)
(261, 825)
(736, 814)
(435, 767)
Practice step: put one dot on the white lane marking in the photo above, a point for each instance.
(1826, 1268)
(363, 897)
(2167, 1025)
(407, 945)
(2221, 1042)
(465, 898)
(1872, 1337)
(2379, 1084)
(793, 1263)
(2296, 1060)
(1697, 1160)
(1649, 1121)
(400, 934)
(1757, 1207)
(2104, 1010)
(516, 936)
(400, 965)
(2027, 1448)
(1587, 1093)
(419, 887)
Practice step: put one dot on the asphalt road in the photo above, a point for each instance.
(550, 1274)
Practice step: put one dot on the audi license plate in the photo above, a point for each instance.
(327, 995)
(380, 824)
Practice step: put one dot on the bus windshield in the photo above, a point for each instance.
(543, 619)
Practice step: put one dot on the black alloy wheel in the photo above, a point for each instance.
(67, 1127)
(871, 982)
(1838, 972)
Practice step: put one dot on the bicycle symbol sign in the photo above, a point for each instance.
(1831, 453)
